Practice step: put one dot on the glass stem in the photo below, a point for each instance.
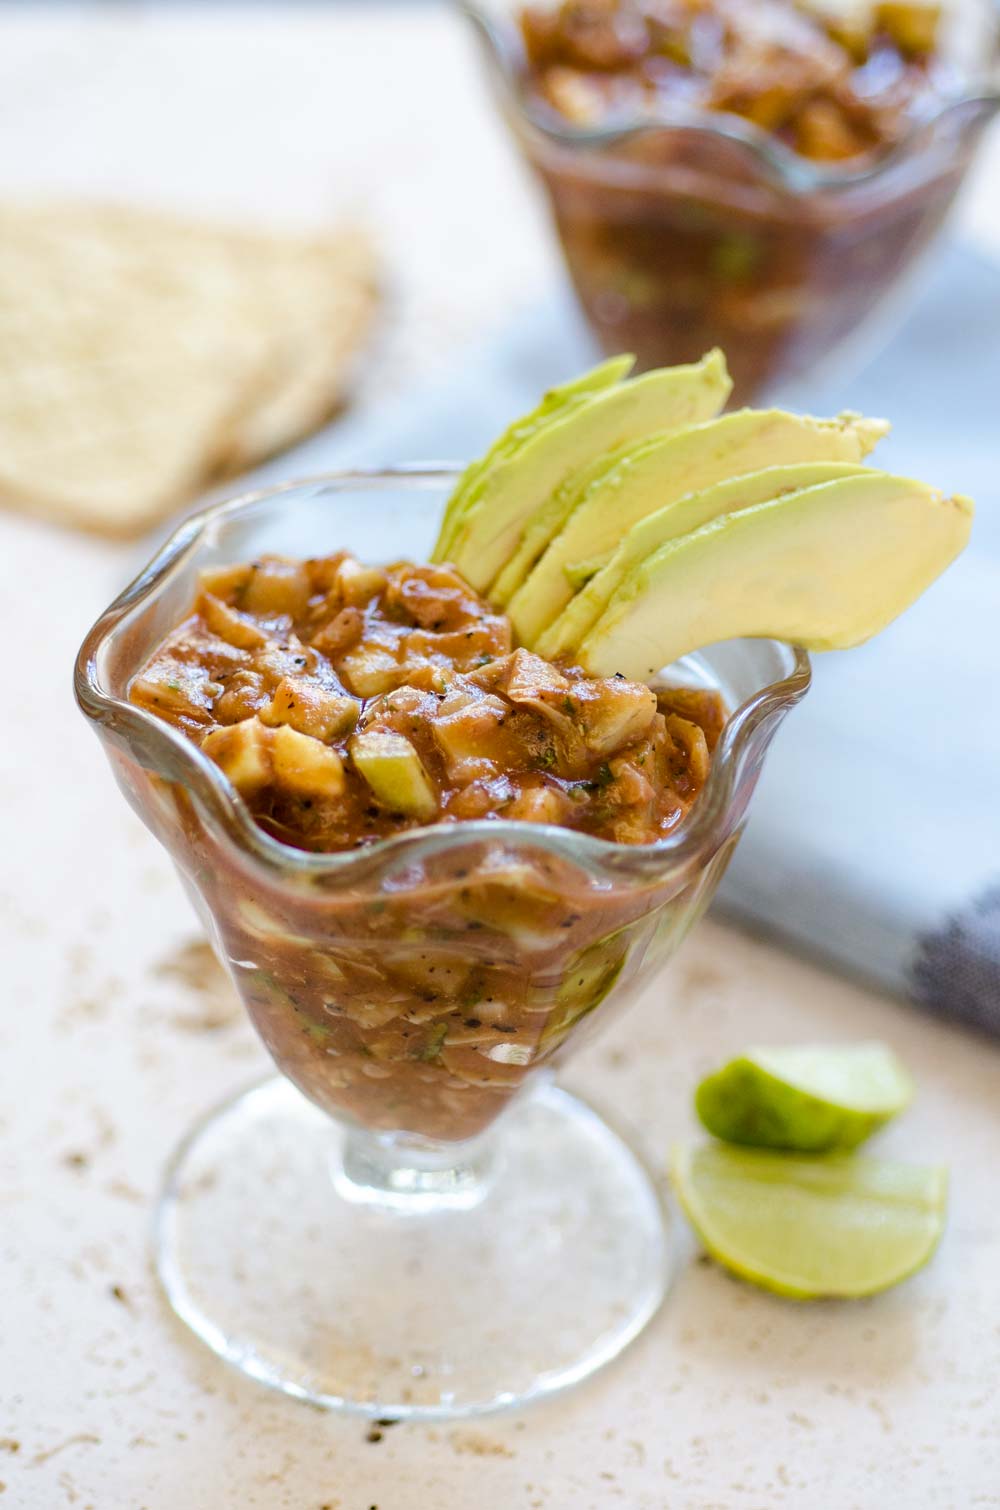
(413, 1174)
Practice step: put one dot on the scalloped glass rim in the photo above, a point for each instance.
(782, 165)
(690, 844)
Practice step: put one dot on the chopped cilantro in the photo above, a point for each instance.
(432, 1048)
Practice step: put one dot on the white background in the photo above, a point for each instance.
(732, 1400)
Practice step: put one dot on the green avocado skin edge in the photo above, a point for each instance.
(625, 524)
(554, 405)
(826, 569)
(665, 470)
(514, 497)
(596, 588)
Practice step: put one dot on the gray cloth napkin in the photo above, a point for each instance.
(874, 840)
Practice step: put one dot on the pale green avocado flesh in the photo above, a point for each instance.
(624, 524)
(605, 430)
(665, 470)
(825, 568)
(599, 578)
(554, 405)
(394, 771)
(546, 523)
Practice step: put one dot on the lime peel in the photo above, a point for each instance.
(807, 1099)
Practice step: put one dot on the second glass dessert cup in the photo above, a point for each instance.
(684, 228)
(415, 1221)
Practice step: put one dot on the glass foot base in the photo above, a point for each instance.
(437, 1310)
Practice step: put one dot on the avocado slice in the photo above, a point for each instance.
(512, 491)
(665, 469)
(554, 405)
(598, 579)
(825, 568)
(393, 769)
(666, 400)
(542, 528)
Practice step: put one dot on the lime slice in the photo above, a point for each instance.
(844, 1225)
(808, 1099)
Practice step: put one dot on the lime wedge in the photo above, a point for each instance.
(810, 1099)
(844, 1225)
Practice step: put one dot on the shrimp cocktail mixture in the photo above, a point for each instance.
(832, 81)
(677, 239)
(513, 683)
(347, 703)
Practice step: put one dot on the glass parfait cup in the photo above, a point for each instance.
(684, 228)
(413, 1219)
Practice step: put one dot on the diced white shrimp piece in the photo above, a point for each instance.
(177, 687)
(534, 681)
(225, 582)
(277, 586)
(355, 584)
(244, 695)
(539, 804)
(467, 1063)
(369, 670)
(470, 737)
(472, 645)
(286, 656)
(691, 738)
(343, 631)
(311, 708)
(613, 714)
(256, 920)
(305, 766)
(243, 752)
(229, 624)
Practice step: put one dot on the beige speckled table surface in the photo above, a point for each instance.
(108, 1048)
